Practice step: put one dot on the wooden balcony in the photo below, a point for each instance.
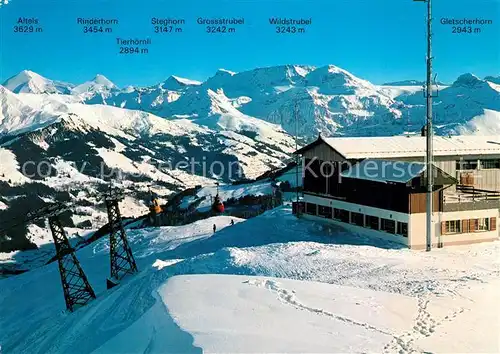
(470, 198)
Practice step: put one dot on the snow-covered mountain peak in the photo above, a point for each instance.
(332, 80)
(468, 80)
(176, 83)
(334, 69)
(258, 82)
(99, 83)
(28, 74)
(221, 77)
(186, 81)
(281, 74)
(103, 80)
(28, 81)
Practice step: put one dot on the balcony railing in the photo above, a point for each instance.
(470, 198)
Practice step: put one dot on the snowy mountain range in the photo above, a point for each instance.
(77, 133)
(327, 100)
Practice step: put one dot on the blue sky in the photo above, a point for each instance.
(379, 40)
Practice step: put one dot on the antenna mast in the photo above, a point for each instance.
(297, 159)
(429, 129)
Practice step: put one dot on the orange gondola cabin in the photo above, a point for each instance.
(218, 206)
(154, 205)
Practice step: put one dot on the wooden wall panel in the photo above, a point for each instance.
(418, 202)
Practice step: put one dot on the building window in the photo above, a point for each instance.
(453, 227)
(325, 211)
(482, 224)
(372, 222)
(388, 226)
(340, 214)
(403, 229)
(311, 209)
(357, 219)
(466, 165)
(490, 164)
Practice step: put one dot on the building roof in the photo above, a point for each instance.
(414, 146)
(393, 171)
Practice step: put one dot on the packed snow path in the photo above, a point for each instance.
(348, 293)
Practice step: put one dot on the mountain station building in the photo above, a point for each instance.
(377, 185)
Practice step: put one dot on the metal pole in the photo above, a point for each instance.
(429, 134)
(297, 160)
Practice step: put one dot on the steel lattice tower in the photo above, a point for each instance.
(122, 261)
(76, 288)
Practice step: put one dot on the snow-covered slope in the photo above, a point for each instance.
(16, 116)
(487, 123)
(232, 292)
